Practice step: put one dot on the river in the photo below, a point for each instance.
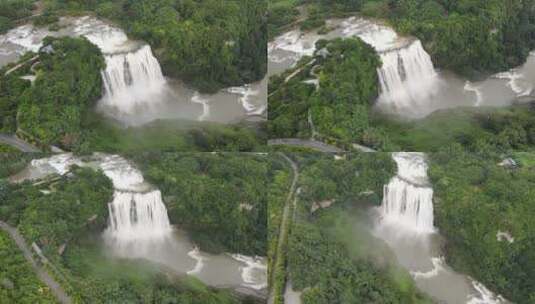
(147, 233)
(405, 222)
(136, 91)
(411, 87)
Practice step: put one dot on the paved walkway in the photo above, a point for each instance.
(17, 143)
(286, 220)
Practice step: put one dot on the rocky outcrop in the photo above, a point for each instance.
(321, 205)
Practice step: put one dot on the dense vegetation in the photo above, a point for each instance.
(58, 109)
(18, 282)
(67, 86)
(66, 216)
(279, 185)
(284, 13)
(171, 135)
(475, 198)
(357, 176)
(331, 257)
(341, 114)
(220, 199)
(339, 109)
(42, 217)
(13, 10)
(324, 256)
(11, 163)
(210, 43)
(476, 129)
(494, 35)
(7, 149)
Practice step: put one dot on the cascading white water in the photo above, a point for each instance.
(407, 76)
(139, 226)
(132, 79)
(136, 217)
(405, 223)
(137, 213)
(408, 199)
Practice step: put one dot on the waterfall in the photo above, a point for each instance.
(407, 76)
(408, 198)
(132, 80)
(405, 223)
(137, 213)
(137, 217)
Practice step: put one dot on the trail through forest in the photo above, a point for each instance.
(43, 275)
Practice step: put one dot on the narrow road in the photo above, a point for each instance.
(296, 72)
(285, 222)
(305, 143)
(17, 143)
(43, 275)
(20, 65)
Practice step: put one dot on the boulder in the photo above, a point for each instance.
(508, 163)
(321, 205)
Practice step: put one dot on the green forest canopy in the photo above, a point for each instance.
(67, 85)
(324, 259)
(220, 198)
(61, 217)
(495, 35)
(209, 43)
(475, 198)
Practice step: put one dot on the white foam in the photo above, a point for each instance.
(412, 166)
(381, 37)
(517, 82)
(108, 38)
(485, 296)
(293, 42)
(133, 81)
(438, 266)
(124, 176)
(254, 274)
(470, 87)
(196, 255)
(246, 92)
(205, 106)
(59, 164)
(407, 199)
(26, 37)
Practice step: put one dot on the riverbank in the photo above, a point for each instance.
(409, 114)
(487, 196)
(490, 29)
(80, 256)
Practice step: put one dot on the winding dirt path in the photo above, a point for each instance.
(43, 275)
